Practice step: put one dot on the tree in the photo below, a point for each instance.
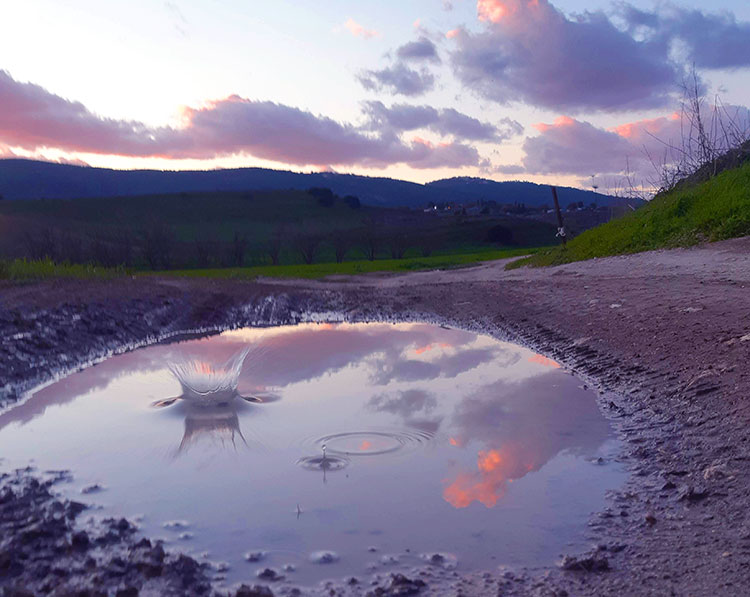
(325, 196)
(342, 242)
(157, 245)
(237, 250)
(351, 201)
(371, 238)
(308, 240)
(276, 242)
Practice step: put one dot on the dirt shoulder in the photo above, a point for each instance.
(664, 336)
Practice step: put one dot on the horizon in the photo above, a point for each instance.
(566, 92)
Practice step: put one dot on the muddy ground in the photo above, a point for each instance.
(664, 336)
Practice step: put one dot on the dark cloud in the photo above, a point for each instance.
(398, 79)
(420, 50)
(33, 118)
(530, 52)
(403, 117)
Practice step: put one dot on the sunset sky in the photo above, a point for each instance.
(543, 90)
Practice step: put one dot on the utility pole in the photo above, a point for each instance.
(560, 227)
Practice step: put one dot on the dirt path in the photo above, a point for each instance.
(665, 336)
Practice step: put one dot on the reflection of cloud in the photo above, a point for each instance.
(406, 404)
(519, 428)
(405, 370)
(495, 469)
(544, 361)
(394, 367)
(413, 406)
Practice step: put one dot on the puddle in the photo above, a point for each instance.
(358, 448)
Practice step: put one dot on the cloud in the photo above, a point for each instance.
(404, 117)
(574, 147)
(398, 79)
(710, 41)
(570, 146)
(420, 50)
(530, 52)
(358, 30)
(33, 119)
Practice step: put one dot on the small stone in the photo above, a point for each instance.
(324, 557)
(254, 591)
(269, 574)
(255, 556)
(592, 563)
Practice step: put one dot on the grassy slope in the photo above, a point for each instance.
(715, 210)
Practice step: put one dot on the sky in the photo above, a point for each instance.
(566, 91)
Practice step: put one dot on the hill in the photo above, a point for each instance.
(713, 210)
(29, 179)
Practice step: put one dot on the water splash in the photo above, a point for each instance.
(206, 384)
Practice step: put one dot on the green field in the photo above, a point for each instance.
(23, 269)
(250, 229)
(320, 270)
(714, 210)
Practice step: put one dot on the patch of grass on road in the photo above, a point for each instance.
(714, 210)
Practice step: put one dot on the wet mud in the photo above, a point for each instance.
(664, 337)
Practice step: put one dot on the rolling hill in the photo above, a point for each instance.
(30, 179)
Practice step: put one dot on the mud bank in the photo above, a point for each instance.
(663, 336)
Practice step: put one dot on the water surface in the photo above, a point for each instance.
(379, 443)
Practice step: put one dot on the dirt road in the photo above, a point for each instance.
(664, 336)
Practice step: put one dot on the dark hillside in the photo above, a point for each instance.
(28, 179)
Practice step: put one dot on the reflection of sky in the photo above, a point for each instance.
(499, 420)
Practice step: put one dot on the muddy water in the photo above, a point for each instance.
(367, 447)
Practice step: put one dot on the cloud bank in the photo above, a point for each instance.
(33, 119)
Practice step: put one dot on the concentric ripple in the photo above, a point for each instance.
(372, 443)
(326, 462)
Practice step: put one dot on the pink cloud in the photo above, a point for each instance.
(571, 146)
(33, 119)
(358, 30)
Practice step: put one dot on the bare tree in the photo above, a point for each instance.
(237, 249)
(342, 242)
(399, 243)
(157, 245)
(276, 243)
(206, 251)
(307, 241)
(371, 238)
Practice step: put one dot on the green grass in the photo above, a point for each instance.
(715, 210)
(46, 269)
(320, 270)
